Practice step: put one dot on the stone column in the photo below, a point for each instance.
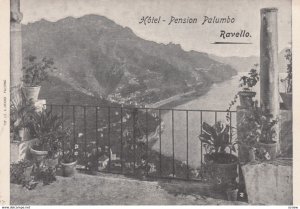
(269, 80)
(15, 47)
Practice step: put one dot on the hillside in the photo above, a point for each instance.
(102, 59)
(244, 64)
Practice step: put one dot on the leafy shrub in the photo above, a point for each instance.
(250, 81)
(45, 175)
(35, 72)
(28, 175)
(289, 77)
(17, 172)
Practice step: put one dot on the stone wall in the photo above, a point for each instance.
(286, 134)
(269, 183)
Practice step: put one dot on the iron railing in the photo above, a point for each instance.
(156, 142)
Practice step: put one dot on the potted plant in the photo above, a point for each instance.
(267, 145)
(34, 73)
(247, 82)
(69, 161)
(258, 127)
(47, 128)
(216, 141)
(20, 117)
(249, 134)
(287, 97)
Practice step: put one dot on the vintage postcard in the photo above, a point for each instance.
(140, 102)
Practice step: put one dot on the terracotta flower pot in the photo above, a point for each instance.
(38, 154)
(223, 172)
(68, 169)
(31, 92)
(246, 98)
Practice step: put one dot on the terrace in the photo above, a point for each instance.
(105, 189)
(154, 154)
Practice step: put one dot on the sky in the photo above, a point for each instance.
(190, 36)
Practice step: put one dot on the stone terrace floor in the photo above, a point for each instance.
(105, 189)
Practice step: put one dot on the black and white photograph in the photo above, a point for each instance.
(150, 102)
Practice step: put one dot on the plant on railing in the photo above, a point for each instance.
(35, 72)
(248, 82)
(246, 95)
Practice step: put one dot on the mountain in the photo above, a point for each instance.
(96, 57)
(244, 64)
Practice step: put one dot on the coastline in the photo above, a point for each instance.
(185, 98)
(179, 99)
(182, 98)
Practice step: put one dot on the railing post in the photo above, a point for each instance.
(108, 136)
(133, 137)
(97, 137)
(173, 146)
(201, 145)
(160, 158)
(230, 129)
(74, 125)
(147, 141)
(121, 157)
(85, 139)
(62, 118)
(187, 143)
(216, 117)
